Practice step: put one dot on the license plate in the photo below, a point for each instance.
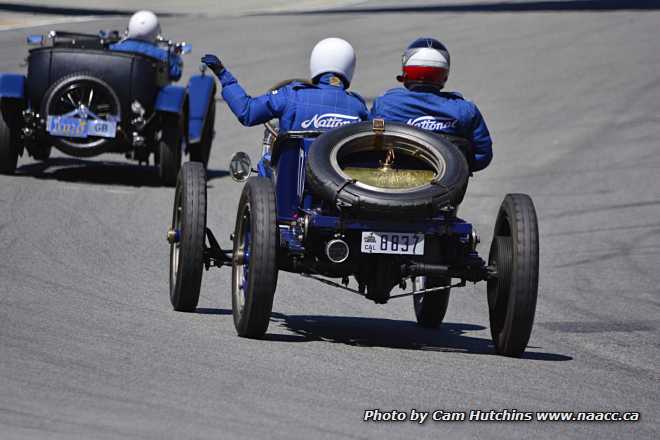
(392, 243)
(80, 128)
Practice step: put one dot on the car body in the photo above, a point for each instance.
(376, 201)
(85, 99)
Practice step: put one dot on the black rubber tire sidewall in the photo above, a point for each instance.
(170, 149)
(259, 197)
(8, 147)
(191, 191)
(332, 186)
(516, 221)
(430, 308)
(201, 151)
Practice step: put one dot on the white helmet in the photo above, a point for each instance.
(333, 55)
(143, 26)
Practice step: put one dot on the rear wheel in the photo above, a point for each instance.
(254, 271)
(186, 237)
(169, 149)
(42, 153)
(512, 294)
(8, 147)
(82, 96)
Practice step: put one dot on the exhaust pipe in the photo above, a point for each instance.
(337, 250)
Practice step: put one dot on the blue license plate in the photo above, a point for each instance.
(80, 128)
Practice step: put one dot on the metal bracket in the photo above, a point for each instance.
(214, 255)
(357, 292)
(378, 125)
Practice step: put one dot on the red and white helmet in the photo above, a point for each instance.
(425, 61)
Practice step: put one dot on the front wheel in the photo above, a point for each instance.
(512, 294)
(169, 149)
(430, 308)
(254, 271)
(186, 237)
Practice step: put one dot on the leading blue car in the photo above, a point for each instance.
(85, 99)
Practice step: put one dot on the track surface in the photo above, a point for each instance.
(89, 345)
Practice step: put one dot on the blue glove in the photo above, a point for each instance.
(213, 62)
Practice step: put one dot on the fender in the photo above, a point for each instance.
(12, 85)
(201, 92)
(171, 99)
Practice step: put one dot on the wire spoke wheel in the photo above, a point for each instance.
(254, 270)
(186, 237)
(86, 97)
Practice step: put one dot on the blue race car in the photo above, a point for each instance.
(85, 99)
(375, 201)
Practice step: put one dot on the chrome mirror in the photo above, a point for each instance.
(240, 166)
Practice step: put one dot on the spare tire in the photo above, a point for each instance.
(392, 170)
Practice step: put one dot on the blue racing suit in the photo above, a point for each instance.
(441, 112)
(152, 50)
(298, 106)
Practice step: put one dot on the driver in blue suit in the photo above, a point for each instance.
(143, 30)
(423, 103)
(323, 104)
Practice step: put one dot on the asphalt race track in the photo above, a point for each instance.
(89, 344)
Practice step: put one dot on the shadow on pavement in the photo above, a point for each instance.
(99, 172)
(528, 6)
(211, 311)
(389, 333)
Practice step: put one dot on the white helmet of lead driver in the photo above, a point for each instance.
(332, 55)
(143, 25)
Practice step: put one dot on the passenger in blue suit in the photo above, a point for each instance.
(422, 103)
(322, 104)
(143, 30)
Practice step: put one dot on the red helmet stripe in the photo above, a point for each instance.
(425, 74)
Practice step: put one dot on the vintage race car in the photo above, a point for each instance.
(375, 201)
(85, 99)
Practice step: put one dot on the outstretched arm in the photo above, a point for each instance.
(249, 111)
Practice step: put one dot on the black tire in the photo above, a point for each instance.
(107, 104)
(512, 295)
(430, 308)
(8, 147)
(326, 179)
(42, 153)
(201, 151)
(254, 279)
(189, 222)
(170, 148)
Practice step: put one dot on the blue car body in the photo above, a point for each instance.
(132, 76)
